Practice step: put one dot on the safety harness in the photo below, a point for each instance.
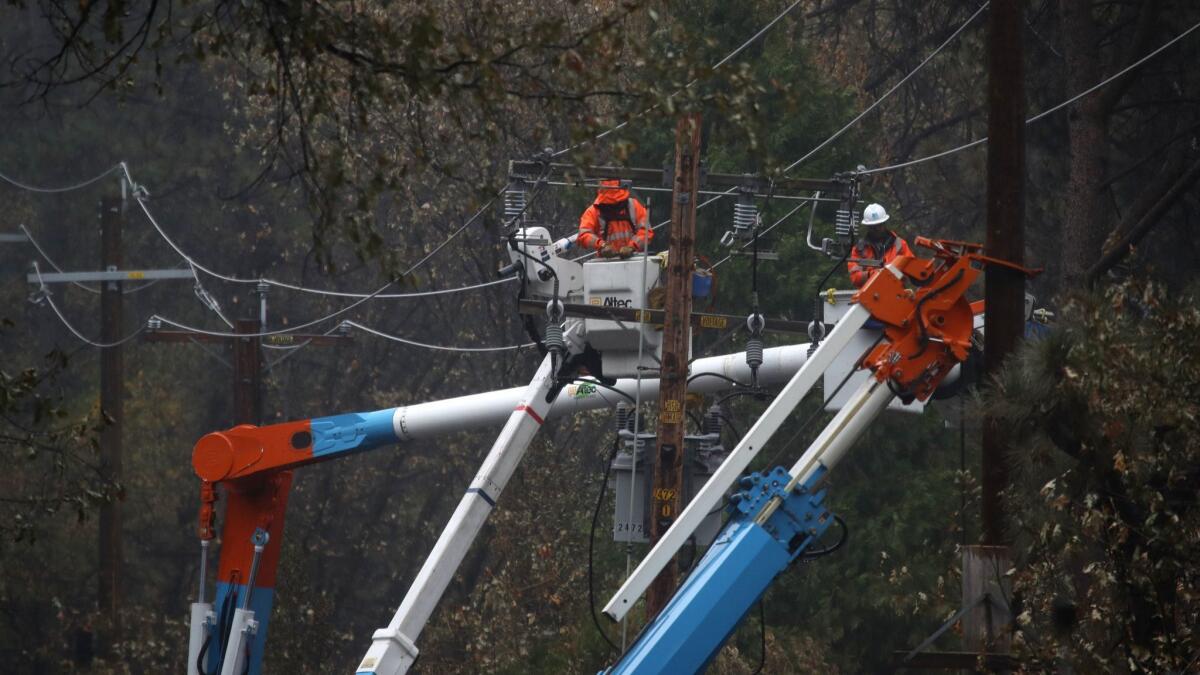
(621, 212)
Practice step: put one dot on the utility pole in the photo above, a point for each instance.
(668, 467)
(1004, 290)
(247, 374)
(112, 408)
(247, 361)
(986, 626)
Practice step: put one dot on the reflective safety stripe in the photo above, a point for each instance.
(529, 411)
(485, 496)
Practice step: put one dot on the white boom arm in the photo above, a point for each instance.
(424, 421)
(393, 649)
(713, 492)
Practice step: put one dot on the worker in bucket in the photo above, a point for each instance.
(876, 247)
(607, 226)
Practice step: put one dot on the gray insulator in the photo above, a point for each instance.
(514, 205)
(745, 217)
(754, 351)
(622, 416)
(553, 339)
(843, 222)
(816, 333)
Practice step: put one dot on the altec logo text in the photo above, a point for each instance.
(610, 301)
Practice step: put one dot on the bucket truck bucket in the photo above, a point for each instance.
(623, 284)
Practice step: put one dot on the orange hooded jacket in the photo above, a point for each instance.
(607, 221)
(887, 251)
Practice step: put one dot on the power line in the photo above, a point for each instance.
(66, 188)
(777, 223)
(889, 92)
(443, 348)
(140, 196)
(1044, 113)
(726, 59)
(699, 206)
(50, 261)
(44, 294)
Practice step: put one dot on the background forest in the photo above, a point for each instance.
(334, 144)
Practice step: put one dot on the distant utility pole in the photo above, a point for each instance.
(247, 362)
(112, 407)
(112, 393)
(668, 468)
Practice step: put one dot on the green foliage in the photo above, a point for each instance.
(52, 454)
(1106, 417)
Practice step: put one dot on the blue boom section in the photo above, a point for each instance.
(260, 602)
(732, 576)
(352, 432)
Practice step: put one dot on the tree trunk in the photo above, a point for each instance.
(1084, 218)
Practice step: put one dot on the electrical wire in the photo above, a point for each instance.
(666, 222)
(887, 93)
(1044, 113)
(824, 404)
(762, 624)
(44, 294)
(66, 188)
(810, 555)
(441, 348)
(592, 543)
(609, 387)
(726, 59)
(777, 223)
(140, 194)
(716, 375)
(53, 265)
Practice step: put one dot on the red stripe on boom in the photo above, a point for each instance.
(529, 411)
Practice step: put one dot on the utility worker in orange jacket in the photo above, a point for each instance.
(607, 226)
(876, 243)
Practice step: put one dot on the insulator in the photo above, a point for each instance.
(844, 221)
(712, 420)
(754, 352)
(816, 333)
(553, 339)
(514, 205)
(745, 217)
(622, 416)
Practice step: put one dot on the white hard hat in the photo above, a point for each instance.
(874, 214)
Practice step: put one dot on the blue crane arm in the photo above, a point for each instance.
(739, 567)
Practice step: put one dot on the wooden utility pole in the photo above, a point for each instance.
(112, 408)
(247, 374)
(986, 627)
(247, 363)
(1004, 289)
(668, 467)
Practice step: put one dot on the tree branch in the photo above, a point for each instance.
(1152, 217)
